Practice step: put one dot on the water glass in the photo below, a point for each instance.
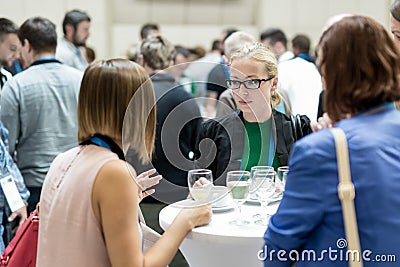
(252, 170)
(281, 181)
(200, 182)
(238, 183)
(264, 182)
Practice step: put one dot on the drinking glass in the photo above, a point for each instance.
(284, 177)
(281, 181)
(238, 183)
(200, 182)
(252, 170)
(264, 183)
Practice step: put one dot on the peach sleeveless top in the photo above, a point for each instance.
(69, 234)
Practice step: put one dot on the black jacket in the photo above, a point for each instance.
(219, 146)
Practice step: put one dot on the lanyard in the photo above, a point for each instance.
(99, 142)
(271, 153)
(106, 142)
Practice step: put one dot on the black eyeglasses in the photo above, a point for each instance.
(249, 84)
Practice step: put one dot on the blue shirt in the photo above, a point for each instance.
(309, 217)
(9, 167)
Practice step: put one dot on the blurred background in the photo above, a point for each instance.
(116, 23)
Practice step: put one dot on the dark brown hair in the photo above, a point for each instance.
(360, 65)
(7, 27)
(395, 9)
(41, 34)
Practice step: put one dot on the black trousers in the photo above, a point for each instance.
(34, 198)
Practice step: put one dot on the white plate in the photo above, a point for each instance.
(192, 203)
(224, 208)
(272, 200)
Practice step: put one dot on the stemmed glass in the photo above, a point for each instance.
(281, 181)
(253, 187)
(200, 182)
(238, 183)
(265, 187)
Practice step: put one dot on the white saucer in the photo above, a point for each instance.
(252, 201)
(192, 203)
(272, 200)
(224, 208)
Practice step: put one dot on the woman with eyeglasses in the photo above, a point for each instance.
(256, 134)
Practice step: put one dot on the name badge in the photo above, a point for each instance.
(10, 190)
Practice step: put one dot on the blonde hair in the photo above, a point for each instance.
(117, 99)
(264, 55)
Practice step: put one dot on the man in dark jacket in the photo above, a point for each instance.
(178, 122)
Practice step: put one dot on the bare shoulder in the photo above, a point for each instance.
(118, 169)
(115, 182)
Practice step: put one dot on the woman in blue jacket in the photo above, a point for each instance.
(360, 68)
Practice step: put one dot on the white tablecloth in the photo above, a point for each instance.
(221, 244)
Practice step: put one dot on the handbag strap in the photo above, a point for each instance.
(347, 194)
(141, 217)
(31, 222)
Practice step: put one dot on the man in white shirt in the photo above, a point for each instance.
(9, 45)
(300, 79)
(276, 40)
(76, 27)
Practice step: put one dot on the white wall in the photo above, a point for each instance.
(116, 23)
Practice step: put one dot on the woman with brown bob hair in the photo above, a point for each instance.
(89, 205)
(360, 68)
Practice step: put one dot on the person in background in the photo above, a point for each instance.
(300, 80)
(92, 186)
(276, 40)
(88, 53)
(178, 123)
(360, 70)
(181, 62)
(301, 47)
(7, 218)
(196, 52)
(76, 28)
(199, 70)
(218, 76)
(39, 105)
(256, 134)
(149, 29)
(9, 45)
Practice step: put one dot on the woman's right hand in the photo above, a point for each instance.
(322, 123)
(193, 217)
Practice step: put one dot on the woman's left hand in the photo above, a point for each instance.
(145, 181)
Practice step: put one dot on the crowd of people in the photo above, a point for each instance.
(76, 133)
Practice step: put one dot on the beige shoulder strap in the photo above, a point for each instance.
(346, 193)
(141, 217)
